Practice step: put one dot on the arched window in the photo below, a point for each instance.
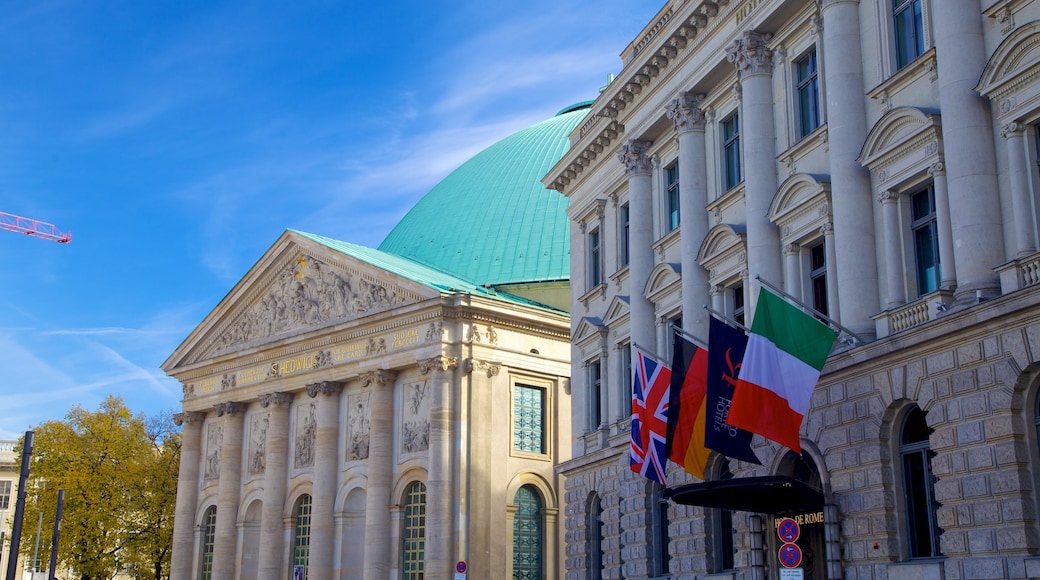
(723, 537)
(528, 535)
(414, 534)
(209, 533)
(595, 528)
(918, 486)
(301, 538)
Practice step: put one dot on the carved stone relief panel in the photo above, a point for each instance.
(258, 442)
(306, 430)
(214, 440)
(357, 427)
(415, 430)
(307, 293)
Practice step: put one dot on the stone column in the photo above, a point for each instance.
(754, 62)
(641, 233)
(967, 135)
(276, 448)
(896, 292)
(793, 269)
(718, 299)
(326, 468)
(943, 228)
(380, 469)
(228, 490)
(685, 112)
(833, 296)
(856, 276)
(182, 563)
(439, 530)
(1018, 169)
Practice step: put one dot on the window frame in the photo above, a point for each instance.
(303, 510)
(660, 552)
(413, 522)
(624, 241)
(927, 223)
(731, 151)
(672, 216)
(807, 88)
(594, 247)
(6, 486)
(207, 542)
(539, 523)
(545, 387)
(594, 525)
(722, 526)
(818, 290)
(917, 42)
(920, 450)
(596, 417)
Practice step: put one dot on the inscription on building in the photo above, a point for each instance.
(746, 9)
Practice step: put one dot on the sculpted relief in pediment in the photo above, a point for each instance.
(305, 294)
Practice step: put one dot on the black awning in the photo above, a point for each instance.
(771, 494)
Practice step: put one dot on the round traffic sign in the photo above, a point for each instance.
(790, 555)
(461, 567)
(788, 530)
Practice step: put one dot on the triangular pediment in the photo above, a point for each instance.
(616, 311)
(588, 328)
(299, 285)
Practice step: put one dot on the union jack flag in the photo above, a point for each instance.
(651, 380)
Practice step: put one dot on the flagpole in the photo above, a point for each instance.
(724, 318)
(855, 338)
(653, 355)
(688, 336)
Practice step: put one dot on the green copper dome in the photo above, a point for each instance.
(491, 221)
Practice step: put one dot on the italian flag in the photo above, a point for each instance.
(786, 350)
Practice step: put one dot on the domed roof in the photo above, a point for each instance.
(491, 221)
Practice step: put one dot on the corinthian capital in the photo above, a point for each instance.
(633, 156)
(380, 378)
(750, 54)
(228, 408)
(441, 363)
(324, 388)
(276, 400)
(685, 112)
(189, 418)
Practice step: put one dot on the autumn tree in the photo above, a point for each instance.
(119, 473)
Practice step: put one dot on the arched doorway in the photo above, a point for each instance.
(811, 540)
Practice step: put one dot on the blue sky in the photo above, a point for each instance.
(176, 141)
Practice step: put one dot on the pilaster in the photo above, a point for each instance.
(326, 468)
(896, 293)
(228, 490)
(637, 164)
(272, 530)
(439, 531)
(1018, 170)
(182, 561)
(380, 467)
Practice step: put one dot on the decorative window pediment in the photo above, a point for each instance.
(616, 311)
(723, 252)
(801, 206)
(902, 143)
(1009, 78)
(589, 329)
(664, 278)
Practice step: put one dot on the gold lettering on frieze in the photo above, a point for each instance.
(208, 385)
(252, 375)
(352, 351)
(405, 338)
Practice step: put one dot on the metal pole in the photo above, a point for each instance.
(808, 309)
(57, 533)
(19, 507)
(36, 550)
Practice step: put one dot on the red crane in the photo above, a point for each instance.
(34, 228)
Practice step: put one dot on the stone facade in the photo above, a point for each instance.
(309, 427)
(877, 165)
